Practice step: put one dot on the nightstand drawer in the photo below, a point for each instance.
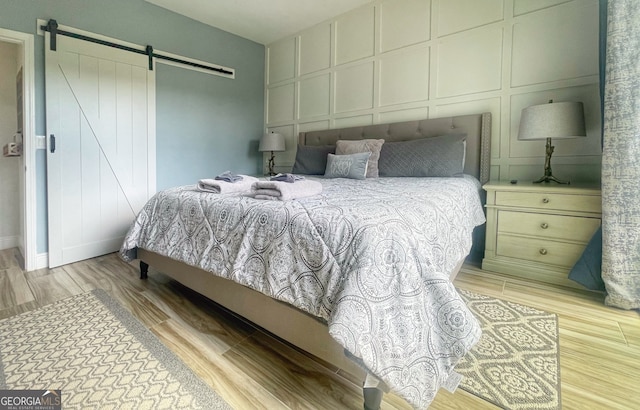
(550, 226)
(538, 231)
(541, 200)
(539, 250)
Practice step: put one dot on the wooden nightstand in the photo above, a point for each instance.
(538, 231)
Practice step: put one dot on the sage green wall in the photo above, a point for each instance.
(205, 124)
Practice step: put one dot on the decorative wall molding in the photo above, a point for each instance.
(397, 60)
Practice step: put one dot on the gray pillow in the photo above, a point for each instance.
(427, 157)
(352, 166)
(367, 145)
(311, 159)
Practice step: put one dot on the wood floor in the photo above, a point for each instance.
(600, 346)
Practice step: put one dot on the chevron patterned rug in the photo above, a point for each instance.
(515, 365)
(99, 356)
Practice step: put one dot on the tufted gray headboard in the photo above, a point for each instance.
(477, 127)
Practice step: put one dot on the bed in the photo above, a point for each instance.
(359, 275)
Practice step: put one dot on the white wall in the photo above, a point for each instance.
(10, 221)
(399, 60)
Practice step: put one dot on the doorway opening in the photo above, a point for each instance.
(17, 134)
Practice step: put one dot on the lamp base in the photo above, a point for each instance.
(272, 163)
(548, 177)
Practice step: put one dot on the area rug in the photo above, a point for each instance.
(99, 356)
(515, 365)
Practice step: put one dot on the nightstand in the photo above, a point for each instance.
(538, 231)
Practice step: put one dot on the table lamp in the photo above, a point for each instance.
(272, 141)
(552, 120)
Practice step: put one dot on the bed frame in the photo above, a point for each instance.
(269, 313)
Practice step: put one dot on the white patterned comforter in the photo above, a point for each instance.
(371, 257)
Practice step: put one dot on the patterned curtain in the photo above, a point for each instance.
(621, 156)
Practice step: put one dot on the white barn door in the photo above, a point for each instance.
(100, 146)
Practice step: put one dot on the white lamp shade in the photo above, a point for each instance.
(272, 141)
(552, 120)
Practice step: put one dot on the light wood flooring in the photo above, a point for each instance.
(600, 346)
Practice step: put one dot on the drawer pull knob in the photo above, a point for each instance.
(543, 251)
(544, 225)
(545, 200)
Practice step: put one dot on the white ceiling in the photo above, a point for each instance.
(263, 21)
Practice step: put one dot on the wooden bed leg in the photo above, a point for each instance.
(372, 398)
(144, 270)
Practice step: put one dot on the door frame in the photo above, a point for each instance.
(26, 42)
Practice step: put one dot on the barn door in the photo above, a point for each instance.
(100, 146)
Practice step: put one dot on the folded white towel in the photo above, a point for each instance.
(265, 192)
(285, 191)
(223, 187)
(266, 197)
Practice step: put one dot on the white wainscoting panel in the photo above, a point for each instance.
(280, 103)
(555, 44)
(403, 115)
(404, 26)
(400, 60)
(470, 63)
(281, 60)
(452, 17)
(314, 96)
(395, 68)
(315, 49)
(313, 126)
(354, 88)
(354, 121)
(355, 35)
(521, 7)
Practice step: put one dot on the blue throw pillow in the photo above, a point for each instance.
(352, 166)
(588, 269)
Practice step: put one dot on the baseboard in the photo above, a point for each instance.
(8, 242)
(42, 260)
